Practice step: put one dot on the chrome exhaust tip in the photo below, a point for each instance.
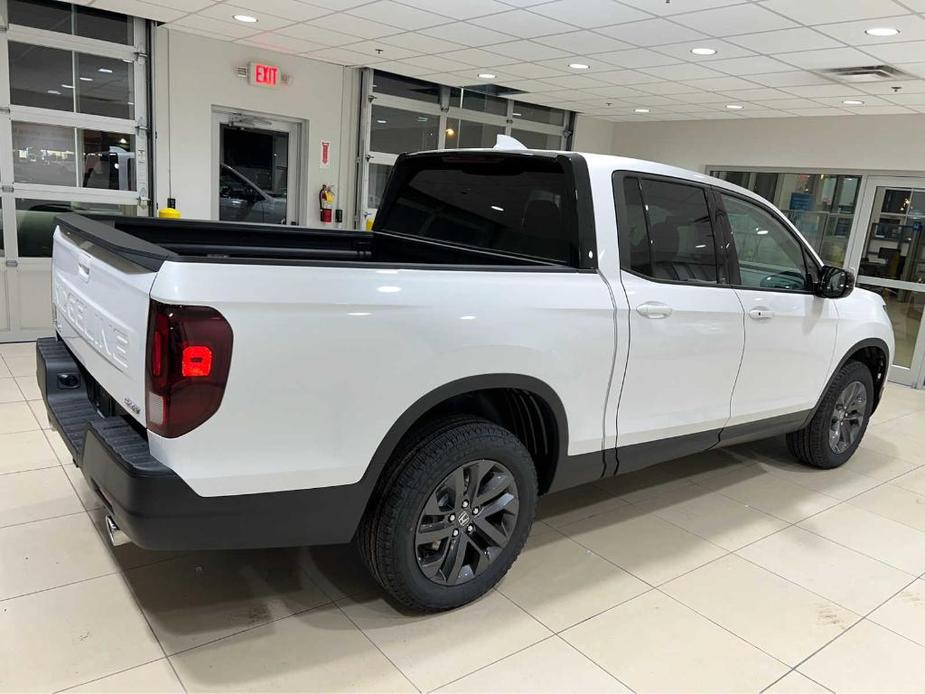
(117, 538)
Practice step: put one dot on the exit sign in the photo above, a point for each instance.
(263, 75)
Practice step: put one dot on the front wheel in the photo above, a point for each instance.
(453, 515)
(836, 430)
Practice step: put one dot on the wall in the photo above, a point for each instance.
(193, 73)
(858, 143)
(593, 135)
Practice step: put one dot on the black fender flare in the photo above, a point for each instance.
(849, 353)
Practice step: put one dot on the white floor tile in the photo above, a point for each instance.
(795, 683)
(895, 503)
(9, 391)
(36, 494)
(154, 678)
(26, 450)
(15, 417)
(905, 613)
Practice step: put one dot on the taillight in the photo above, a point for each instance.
(189, 355)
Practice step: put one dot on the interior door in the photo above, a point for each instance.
(889, 259)
(256, 161)
(789, 332)
(685, 325)
(7, 227)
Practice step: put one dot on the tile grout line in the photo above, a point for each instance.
(111, 674)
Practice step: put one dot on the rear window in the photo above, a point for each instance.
(513, 204)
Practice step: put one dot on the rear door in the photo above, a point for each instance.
(789, 332)
(101, 312)
(685, 323)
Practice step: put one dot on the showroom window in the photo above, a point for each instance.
(76, 110)
(403, 114)
(821, 205)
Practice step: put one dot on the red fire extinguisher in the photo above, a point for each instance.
(326, 201)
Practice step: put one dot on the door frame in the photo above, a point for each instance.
(297, 129)
(914, 374)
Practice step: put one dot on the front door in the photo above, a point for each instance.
(256, 169)
(789, 331)
(888, 257)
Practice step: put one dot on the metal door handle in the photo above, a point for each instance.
(761, 313)
(654, 309)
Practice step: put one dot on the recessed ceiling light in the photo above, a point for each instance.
(422, 119)
(486, 76)
(640, 110)
(105, 70)
(381, 121)
(68, 86)
(86, 79)
(882, 31)
(54, 91)
(579, 66)
(703, 51)
(853, 102)
(515, 114)
(245, 18)
(734, 107)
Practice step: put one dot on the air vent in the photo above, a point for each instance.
(870, 73)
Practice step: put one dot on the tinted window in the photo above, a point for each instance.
(769, 255)
(680, 232)
(633, 227)
(511, 204)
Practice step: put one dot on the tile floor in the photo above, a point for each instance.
(729, 571)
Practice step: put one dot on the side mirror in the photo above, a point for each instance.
(834, 282)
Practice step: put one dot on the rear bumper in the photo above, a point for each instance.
(154, 506)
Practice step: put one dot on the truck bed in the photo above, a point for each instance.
(149, 242)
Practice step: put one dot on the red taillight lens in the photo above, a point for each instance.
(189, 356)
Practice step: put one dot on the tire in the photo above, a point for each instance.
(818, 444)
(418, 524)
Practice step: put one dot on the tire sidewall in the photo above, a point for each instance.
(852, 371)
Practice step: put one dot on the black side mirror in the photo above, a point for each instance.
(834, 282)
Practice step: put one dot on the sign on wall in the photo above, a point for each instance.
(325, 154)
(263, 75)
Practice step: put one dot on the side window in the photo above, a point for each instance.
(680, 232)
(770, 257)
(634, 228)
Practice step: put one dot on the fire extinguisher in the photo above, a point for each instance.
(326, 201)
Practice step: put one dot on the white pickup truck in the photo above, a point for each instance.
(518, 322)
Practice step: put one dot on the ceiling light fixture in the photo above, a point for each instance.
(86, 79)
(380, 121)
(640, 110)
(54, 91)
(105, 70)
(579, 66)
(486, 76)
(68, 86)
(882, 31)
(703, 51)
(734, 107)
(853, 102)
(245, 18)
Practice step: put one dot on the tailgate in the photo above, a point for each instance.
(101, 312)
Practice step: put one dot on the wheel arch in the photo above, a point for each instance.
(874, 353)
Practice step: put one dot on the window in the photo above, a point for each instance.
(67, 19)
(679, 238)
(35, 221)
(538, 114)
(533, 140)
(406, 87)
(396, 131)
(465, 133)
(378, 177)
(512, 204)
(770, 257)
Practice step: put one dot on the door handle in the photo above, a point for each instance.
(654, 309)
(761, 313)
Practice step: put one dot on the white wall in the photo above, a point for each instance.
(193, 73)
(858, 143)
(593, 135)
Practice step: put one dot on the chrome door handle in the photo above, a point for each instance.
(761, 313)
(654, 309)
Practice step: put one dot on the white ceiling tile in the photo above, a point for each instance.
(914, 5)
(379, 50)
(573, 81)
(905, 87)
(677, 6)
(226, 12)
(724, 50)
(613, 91)
(590, 13)
(702, 97)
(320, 35)
(198, 31)
(403, 69)
(678, 89)
(869, 101)
(533, 70)
(785, 41)
(216, 26)
(916, 69)
(185, 5)
(715, 84)
(292, 10)
(420, 43)
(475, 57)
(467, 34)
(789, 78)
(879, 110)
(654, 100)
(754, 65)
(339, 5)
(356, 26)
(340, 56)
(756, 94)
(694, 108)
(651, 32)
(583, 42)
(389, 12)
(823, 12)
(148, 10)
(523, 24)
(681, 71)
(636, 57)
(907, 99)
(625, 77)
(823, 90)
(898, 52)
(274, 41)
(453, 79)
(527, 50)
(828, 58)
(460, 10)
(432, 63)
(527, 85)
(819, 111)
(786, 104)
(911, 27)
(737, 19)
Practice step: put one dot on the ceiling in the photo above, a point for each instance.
(638, 52)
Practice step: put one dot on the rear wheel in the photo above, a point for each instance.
(836, 430)
(453, 514)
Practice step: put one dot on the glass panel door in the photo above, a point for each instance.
(890, 260)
